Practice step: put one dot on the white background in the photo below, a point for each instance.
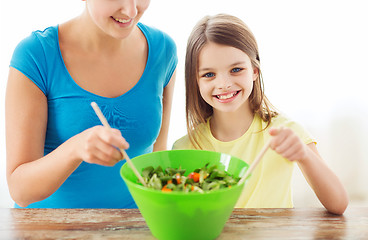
(313, 57)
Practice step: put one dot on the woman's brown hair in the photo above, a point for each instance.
(230, 31)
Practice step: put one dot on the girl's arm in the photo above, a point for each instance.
(326, 185)
(31, 176)
(161, 141)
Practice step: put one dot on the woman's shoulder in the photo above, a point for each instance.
(152, 30)
(157, 35)
(37, 40)
(48, 32)
(32, 55)
(47, 35)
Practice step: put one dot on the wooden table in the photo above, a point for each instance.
(299, 223)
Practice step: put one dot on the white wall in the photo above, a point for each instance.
(313, 56)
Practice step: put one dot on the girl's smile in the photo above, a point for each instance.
(225, 77)
(227, 97)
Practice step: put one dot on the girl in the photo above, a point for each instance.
(56, 155)
(228, 112)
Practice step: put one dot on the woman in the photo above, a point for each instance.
(57, 156)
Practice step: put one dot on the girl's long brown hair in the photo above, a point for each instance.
(230, 31)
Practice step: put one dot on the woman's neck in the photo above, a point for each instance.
(92, 38)
(227, 126)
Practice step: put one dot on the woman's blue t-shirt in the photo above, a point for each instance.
(137, 114)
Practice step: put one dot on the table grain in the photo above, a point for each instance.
(295, 223)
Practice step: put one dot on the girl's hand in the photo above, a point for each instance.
(100, 145)
(286, 143)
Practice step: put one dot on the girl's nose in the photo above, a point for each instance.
(224, 83)
(129, 8)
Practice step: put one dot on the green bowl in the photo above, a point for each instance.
(179, 215)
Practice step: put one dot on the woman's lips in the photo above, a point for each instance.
(122, 21)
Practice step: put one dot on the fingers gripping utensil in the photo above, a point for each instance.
(125, 155)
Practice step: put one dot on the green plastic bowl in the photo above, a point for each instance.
(179, 215)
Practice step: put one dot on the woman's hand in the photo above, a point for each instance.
(286, 143)
(100, 145)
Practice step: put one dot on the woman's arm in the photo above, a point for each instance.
(161, 141)
(31, 176)
(326, 185)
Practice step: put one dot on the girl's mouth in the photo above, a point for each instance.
(227, 95)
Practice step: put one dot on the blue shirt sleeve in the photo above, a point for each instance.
(171, 57)
(29, 58)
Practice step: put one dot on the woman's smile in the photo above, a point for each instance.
(122, 22)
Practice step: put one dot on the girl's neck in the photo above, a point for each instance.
(227, 126)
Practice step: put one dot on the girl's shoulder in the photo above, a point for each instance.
(283, 120)
(202, 135)
(182, 143)
(280, 120)
(297, 127)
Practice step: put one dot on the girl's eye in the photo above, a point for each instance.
(209, 75)
(235, 70)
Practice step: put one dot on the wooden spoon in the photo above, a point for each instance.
(125, 155)
(255, 162)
